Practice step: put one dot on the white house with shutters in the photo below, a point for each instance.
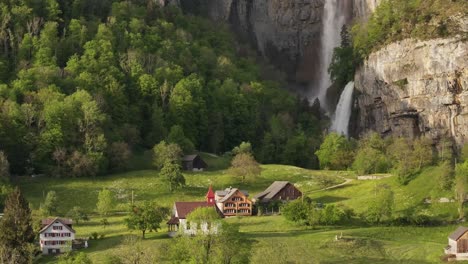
(56, 236)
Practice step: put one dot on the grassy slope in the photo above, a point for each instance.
(358, 193)
(275, 240)
(147, 185)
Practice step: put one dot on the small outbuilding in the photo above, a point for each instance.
(193, 163)
(458, 244)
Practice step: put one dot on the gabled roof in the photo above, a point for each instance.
(458, 233)
(271, 191)
(50, 221)
(228, 193)
(65, 221)
(189, 157)
(185, 208)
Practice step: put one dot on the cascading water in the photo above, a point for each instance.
(340, 121)
(334, 17)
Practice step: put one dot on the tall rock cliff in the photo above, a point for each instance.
(285, 32)
(413, 88)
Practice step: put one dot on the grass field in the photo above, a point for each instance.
(274, 239)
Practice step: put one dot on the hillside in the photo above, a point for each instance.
(86, 84)
(269, 235)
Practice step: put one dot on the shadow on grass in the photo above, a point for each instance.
(365, 260)
(330, 199)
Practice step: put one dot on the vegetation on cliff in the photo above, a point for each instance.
(395, 20)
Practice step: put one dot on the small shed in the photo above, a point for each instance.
(193, 163)
(458, 243)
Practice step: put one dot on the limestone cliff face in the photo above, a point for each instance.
(413, 88)
(286, 32)
(362, 9)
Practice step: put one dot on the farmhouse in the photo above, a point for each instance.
(458, 243)
(56, 235)
(193, 163)
(278, 191)
(233, 202)
(180, 210)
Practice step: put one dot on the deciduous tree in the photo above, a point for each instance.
(172, 175)
(164, 153)
(49, 207)
(245, 166)
(105, 202)
(4, 167)
(146, 217)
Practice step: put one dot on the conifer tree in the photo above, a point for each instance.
(16, 232)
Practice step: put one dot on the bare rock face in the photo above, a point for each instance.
(414, 88)
(286, 32)
(362, 9)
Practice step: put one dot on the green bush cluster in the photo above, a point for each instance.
(395, 20)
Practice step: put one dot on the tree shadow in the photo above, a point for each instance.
(330, 199)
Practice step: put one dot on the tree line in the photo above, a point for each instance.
(83, 84)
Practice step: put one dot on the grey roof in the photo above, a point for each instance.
(461, 230)
(271, 191)
(227, 193)
(189, 157)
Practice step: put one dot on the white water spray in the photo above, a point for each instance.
(334, 17)
(340, 121)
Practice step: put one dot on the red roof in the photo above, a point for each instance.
(210, 193)
(185, 208)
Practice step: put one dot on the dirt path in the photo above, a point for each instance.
(335, 186)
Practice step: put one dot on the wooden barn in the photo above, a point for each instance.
(278, 191)
(193, 163)
(458, 243)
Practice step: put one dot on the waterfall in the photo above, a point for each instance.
(334, 17)
(340, 121)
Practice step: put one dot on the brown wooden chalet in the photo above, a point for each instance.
(193, 163)
(458, 243)
(278, 191)
(232, 202)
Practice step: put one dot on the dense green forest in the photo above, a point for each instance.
(83, 83)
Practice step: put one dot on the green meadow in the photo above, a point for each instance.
(272, 238)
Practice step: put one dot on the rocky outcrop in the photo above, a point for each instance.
(413, 88)
(285, 32)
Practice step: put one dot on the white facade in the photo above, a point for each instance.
(56, 238)
(188, 228)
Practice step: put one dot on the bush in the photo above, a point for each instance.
(94, 236)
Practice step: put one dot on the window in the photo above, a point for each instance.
(237, 199)
(57, 227)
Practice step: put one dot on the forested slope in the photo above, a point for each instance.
(83, 83)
